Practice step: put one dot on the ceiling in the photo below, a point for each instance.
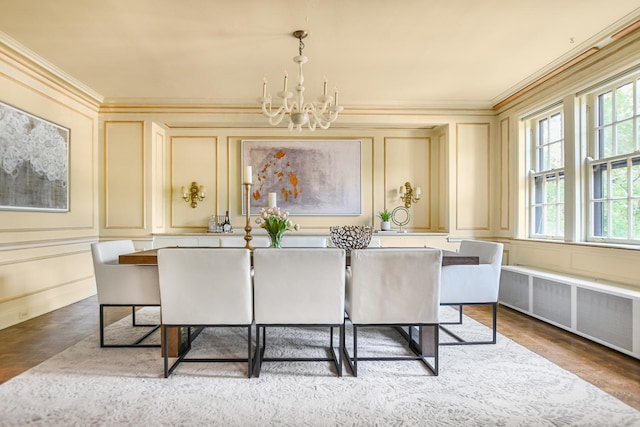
(377, 53)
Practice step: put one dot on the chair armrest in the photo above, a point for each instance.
(469, 284)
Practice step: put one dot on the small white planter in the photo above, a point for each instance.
(385, 225)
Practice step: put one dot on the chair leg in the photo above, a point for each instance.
(258, 354)
(101, 325)
(249, 358)
(166, 352)
(354, 367)
(457, 322)
(461, 341)
(347, 356)
(495, 321)
(138, 342)
(436, 340)
(340, 355)
(133, 318)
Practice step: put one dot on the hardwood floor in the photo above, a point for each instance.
(29, 343)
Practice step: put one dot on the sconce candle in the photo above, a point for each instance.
(248, 175)
(409, 195)
(272, 200)
(194, 194)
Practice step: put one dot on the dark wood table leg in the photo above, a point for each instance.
(422, 341)
(177, 340)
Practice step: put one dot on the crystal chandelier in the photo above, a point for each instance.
(322, 112)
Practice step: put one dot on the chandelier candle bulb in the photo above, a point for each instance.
(201, 189)
(418, 192)
(183, 190)
(272, 200)
(401, 191)
(248, 175)
(325, 87)
(264, 87)
(286, 76)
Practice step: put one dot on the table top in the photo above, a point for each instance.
(150, 257)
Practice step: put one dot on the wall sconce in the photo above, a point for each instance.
(409, 195)
(194, 195)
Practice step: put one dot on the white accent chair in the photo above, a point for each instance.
(298, 287)
(394, 287)
(124, 285)
(205, 287)
(239, 242)
(472, 285)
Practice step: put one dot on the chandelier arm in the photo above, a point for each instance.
(272, 114)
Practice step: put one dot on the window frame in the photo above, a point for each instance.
(539, 177)
(601, 163)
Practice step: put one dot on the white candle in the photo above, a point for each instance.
(248, 175)
(325, 87)
(272, 200)
(336, 97)
(264, 87)
(286, 75)
(418, 192)
(401, 191)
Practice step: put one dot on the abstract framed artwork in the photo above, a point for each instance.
(309, 177)
(34, 162)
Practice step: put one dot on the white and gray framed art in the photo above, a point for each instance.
(34, 162)
(309, 177)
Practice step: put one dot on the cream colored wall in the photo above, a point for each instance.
(600, 261)
(211, 155)
(45, 261)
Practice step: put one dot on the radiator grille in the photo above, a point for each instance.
(514, 289)
(552, 300)
(606, 317)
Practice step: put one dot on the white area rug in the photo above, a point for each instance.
(486, 385)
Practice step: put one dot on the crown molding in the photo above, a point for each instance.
(48, 69)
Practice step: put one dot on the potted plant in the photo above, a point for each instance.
(385, 218)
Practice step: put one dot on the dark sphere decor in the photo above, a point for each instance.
(350, 237)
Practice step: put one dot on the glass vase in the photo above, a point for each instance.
(276, 238)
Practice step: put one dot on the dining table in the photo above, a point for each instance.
(178, 341)
(150, 257)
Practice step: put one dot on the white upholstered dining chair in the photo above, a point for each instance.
(394, 287)
(298, 287)
(472, 285)
(124, 285)
(205, 287)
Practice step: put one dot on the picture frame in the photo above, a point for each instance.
(34, 162)
(309, 177)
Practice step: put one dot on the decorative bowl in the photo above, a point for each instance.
(350, 237)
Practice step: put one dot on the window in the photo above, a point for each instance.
(614, 166)
(546, 197)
